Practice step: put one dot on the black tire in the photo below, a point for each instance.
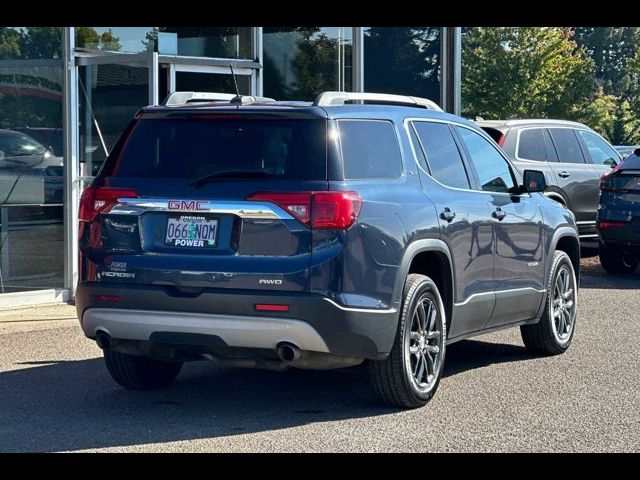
(616, 260)
(543, 337)
(393, 378)
(140, 373)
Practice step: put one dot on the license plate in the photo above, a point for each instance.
(191, 231)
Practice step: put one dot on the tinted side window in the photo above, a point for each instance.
(552, 155)
(442, 154)
(598, 149)
(566, 145)
(369, 149)
(531, 145)
(492, 169)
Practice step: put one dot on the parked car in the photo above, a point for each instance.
(50, 137)
(626, 150)
(29, 172)
(275, 235)
(619, 217)
(572, 156)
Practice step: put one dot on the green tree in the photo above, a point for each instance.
(524, 72)
(42, 42)
(625, 127)
(108, 41)
(87, 37)
(9, 43)
(613, 49)
(315, 64)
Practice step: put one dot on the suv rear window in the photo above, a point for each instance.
(369, 149)
(194, 147)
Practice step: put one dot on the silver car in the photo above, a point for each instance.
(572, 156)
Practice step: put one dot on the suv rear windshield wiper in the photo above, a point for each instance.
(228, 174)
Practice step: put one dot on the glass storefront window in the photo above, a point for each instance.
(212, 82)
(31, 159)
(302, 62)
(403, 61)
(109, 95)
(220, 42)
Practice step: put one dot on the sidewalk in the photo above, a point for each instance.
(52, 311)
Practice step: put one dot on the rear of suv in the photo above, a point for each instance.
(572, 156)
(360, 227)
(619, 217)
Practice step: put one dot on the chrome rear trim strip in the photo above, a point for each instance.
(243, 209)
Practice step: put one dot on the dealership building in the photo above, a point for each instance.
(66, 94)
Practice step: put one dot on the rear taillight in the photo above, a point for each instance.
(96, 199)
(604, 224)
(605, 182)
(501, 140)
(321, 210)
(297, 204)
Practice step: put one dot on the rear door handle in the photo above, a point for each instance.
(564, 174)
(447, 215)
(499, 213)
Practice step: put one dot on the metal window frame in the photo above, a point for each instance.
(72, 182)
(451, 69)
(357, 60)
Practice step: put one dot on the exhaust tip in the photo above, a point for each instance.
(288, 352)
(103, 340)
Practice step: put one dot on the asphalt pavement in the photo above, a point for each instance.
(56, 394)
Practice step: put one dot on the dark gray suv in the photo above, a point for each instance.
(317, 235)
(572, 156)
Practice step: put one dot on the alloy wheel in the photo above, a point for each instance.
(424, 344)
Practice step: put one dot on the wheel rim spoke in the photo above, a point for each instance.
(420, 367)
(430, 364)
(422, 316)
(432, 349)
(433, 335)
(431, 317)
(561, 323)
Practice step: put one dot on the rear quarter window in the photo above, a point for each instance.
(531, 145)
(369, 149)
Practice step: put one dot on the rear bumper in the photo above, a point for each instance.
(313, 322)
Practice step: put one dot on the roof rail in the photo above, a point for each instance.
(181, 98)
(326, 99)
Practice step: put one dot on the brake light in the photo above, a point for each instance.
(605, 183)
(321, 210)
(335, 209)
(501, 140)
(604, 224)
(96, 199)
(297, 204)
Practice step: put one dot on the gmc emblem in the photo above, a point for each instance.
(193, 205)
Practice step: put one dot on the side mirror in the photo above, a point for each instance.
(534, 181)
(611, 162)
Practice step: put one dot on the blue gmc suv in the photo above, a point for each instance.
(359, 227)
